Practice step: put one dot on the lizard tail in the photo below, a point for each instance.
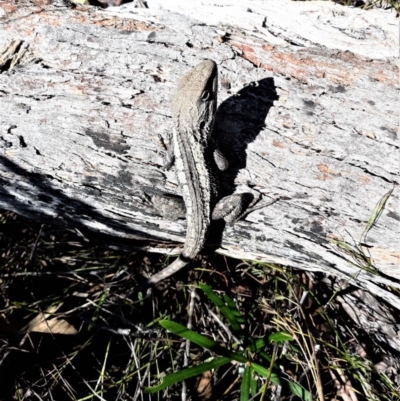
(178, 264)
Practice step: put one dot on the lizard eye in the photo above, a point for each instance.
(205, 96)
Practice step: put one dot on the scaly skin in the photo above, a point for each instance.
(193, 108)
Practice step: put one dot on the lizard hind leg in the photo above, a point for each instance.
(233, 207)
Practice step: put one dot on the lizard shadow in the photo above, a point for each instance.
(239, 120)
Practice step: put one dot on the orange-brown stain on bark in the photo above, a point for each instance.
(301, 65)
(278, 144)
(364, 179)
(8, 6)
(268, 48)
(80, 14)
(326, 173)
(248, 54)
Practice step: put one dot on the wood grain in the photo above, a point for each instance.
(84, 94)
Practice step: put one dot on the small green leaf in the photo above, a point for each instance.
(260, 344)
(253, 384)
(265, 356)
(280, 337)
(191, 335)
(264, 372)
(229, 312)
(245, 386)
(300, 391)
(201, 340)
(232, 306)
(184, 374)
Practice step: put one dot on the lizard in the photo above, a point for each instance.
(196, 158)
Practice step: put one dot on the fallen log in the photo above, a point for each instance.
(308, 115)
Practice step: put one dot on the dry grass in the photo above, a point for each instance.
(72, 329)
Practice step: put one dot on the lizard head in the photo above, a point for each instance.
(195, 101)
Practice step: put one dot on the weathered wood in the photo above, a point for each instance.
(308, 112)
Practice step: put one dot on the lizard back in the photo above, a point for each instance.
(194, 106)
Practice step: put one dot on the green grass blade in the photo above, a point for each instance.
(253, 384)
(279, 337)
(259, 344)
(300, 391)
(230, 313)
(233, 308)
(264, 372)
(245, 386)
(376, 214)
(201, 340)
(264, 355)
(184, 374)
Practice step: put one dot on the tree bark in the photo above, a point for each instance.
(308, 114)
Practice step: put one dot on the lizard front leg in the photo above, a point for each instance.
(233, 207)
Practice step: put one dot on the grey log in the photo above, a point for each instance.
(85, 93)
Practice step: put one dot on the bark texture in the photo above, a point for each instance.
(308, 112)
